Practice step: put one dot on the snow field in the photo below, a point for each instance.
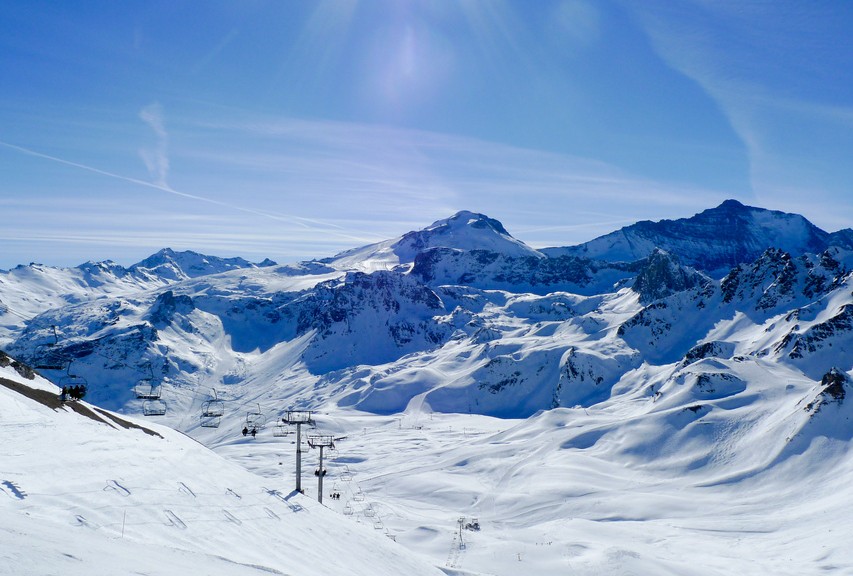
(72, 488)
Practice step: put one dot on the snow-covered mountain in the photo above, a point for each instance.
(26, 291)
(713, 241)
(639, 352)
(463, 231)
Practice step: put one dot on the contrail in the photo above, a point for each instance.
(304, 222)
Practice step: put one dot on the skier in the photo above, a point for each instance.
(245, 430)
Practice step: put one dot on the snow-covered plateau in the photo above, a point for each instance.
(666, 399)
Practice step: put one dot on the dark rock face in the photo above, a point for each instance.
(662, 276)
(488, 270)
(165, 307)
(368, 319)
(776, 278)
(834, 386)
(714, 240)
(818, 335)
(833, 383)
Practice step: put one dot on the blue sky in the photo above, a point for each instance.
(296, 129)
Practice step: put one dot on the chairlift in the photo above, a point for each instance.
(153, 407)
(210, 421)
(48, 356)
(213, 408)
(346, 475)
(146, 388)
(70, 379)
(256, 419)
(358, 496)
(377, 524)
(281, 430)
(369, 511)
(347, 509)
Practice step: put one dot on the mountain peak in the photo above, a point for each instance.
(466, 218)
(173, 265)
(713, 241)
(731, 204)
(464, 231)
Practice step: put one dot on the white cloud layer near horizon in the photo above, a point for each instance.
(291, 189)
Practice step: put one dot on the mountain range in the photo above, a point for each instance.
(650, 292)
(718, 345)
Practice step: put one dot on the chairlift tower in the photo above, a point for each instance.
(298, 417)
(320, 442)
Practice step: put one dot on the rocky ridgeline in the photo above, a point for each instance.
(476, 320)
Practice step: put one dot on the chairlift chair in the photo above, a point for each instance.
(255, 419)
(153, 407)
(146, 388)
(48, 356)
(210, 421)
(281, 430)
(70, 379)
(213, 408)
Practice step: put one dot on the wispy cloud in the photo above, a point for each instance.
(156, 158)
(387, 181)
(774, 70)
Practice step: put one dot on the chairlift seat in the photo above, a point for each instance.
(210, 421)
(154, 408)
(213, 408)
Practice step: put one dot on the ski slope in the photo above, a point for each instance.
(83, 492)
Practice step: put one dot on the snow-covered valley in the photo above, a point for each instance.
(497, 409)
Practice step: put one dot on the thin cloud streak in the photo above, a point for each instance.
(304, 222)
(156, 159)
(773, 85)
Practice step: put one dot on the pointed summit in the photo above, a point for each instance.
(463, 231)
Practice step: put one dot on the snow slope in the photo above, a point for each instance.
(83, 491)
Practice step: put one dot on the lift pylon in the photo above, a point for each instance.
(321, 442)
(298, 417)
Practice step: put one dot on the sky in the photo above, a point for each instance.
(298, 129)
